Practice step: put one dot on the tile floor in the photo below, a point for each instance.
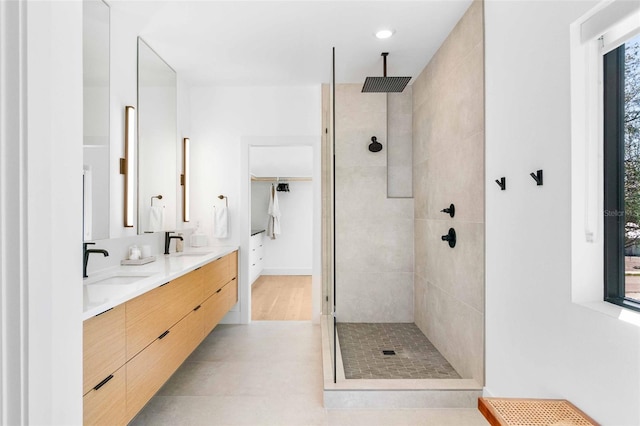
(361, 346)
(269, 373)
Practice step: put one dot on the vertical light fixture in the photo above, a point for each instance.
(184, 179)
(126, 163)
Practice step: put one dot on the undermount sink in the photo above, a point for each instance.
(119, 278)
(190, 254)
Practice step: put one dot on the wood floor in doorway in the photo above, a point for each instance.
(281, 297)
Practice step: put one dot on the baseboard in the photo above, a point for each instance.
(286, 271)
(232, 317)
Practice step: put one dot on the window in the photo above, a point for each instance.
(621, 108)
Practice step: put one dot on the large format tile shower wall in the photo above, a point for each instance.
(448, 167)
(374, 234)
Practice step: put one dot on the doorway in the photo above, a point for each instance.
(281, 243)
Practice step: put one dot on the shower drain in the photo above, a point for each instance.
(388, 352)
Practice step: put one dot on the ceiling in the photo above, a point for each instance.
(288, 43)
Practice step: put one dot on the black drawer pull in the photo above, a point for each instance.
(110, 309)
(163, 334)
(165, 283)
(219, 290)
(233, 278)
(197, 307)
(102, 383)
(197, 268)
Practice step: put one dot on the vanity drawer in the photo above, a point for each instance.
(215, 275)
(233, 265)
(219, 272)
(214, 309)
(103, 346)
(107, 404)
(231, 293)
(150, 369)
(152, 313)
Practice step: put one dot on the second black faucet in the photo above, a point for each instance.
(167, 240)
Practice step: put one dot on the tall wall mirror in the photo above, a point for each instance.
(157, 142)
(95, 64)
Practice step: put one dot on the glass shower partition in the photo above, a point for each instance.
(328, 214)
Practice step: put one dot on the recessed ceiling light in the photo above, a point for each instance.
(382, 34)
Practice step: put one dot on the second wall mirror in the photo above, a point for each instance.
(157, 142)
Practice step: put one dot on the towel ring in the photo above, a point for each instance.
(226, 200)
(159, 197)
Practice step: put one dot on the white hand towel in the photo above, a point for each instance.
(156, 219)
(273, 228)
(221, 225)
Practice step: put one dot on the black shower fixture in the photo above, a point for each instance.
(451, 210)
(450, 237)
(385, 84)
(375, 146)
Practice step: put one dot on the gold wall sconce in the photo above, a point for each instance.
(126, 163)
(185, 179)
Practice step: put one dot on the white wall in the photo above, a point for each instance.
(225, 121)
(125, 29)
(291, 252)
(54, 212)
(539, 343)
(124, 64)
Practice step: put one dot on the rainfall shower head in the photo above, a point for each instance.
(385, 84)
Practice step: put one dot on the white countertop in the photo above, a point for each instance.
(99, 298)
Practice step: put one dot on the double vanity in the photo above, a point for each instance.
(142, 322)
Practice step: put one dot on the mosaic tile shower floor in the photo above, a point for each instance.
(361, 346)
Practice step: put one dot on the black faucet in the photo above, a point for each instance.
(87, 252)
(167, 241)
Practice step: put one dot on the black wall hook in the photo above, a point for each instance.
(451, 210)
(451, 237)
(502, 183)
(537, 177)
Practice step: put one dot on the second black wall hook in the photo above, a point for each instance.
(502, 183)
(537, 177)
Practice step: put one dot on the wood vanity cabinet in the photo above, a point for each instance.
(103, 346)
(153, 313)
(107, 405)
(131, 350)
(151, 368)
(219, 272)
(220, 295)
(103, 368)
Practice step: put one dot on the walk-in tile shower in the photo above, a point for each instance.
(399, 284)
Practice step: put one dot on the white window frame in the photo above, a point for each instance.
(602, 29)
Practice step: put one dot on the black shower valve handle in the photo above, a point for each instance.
(451, 210)
(450, 237)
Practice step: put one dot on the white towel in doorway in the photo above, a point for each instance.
(221, 225)
(273, 228)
